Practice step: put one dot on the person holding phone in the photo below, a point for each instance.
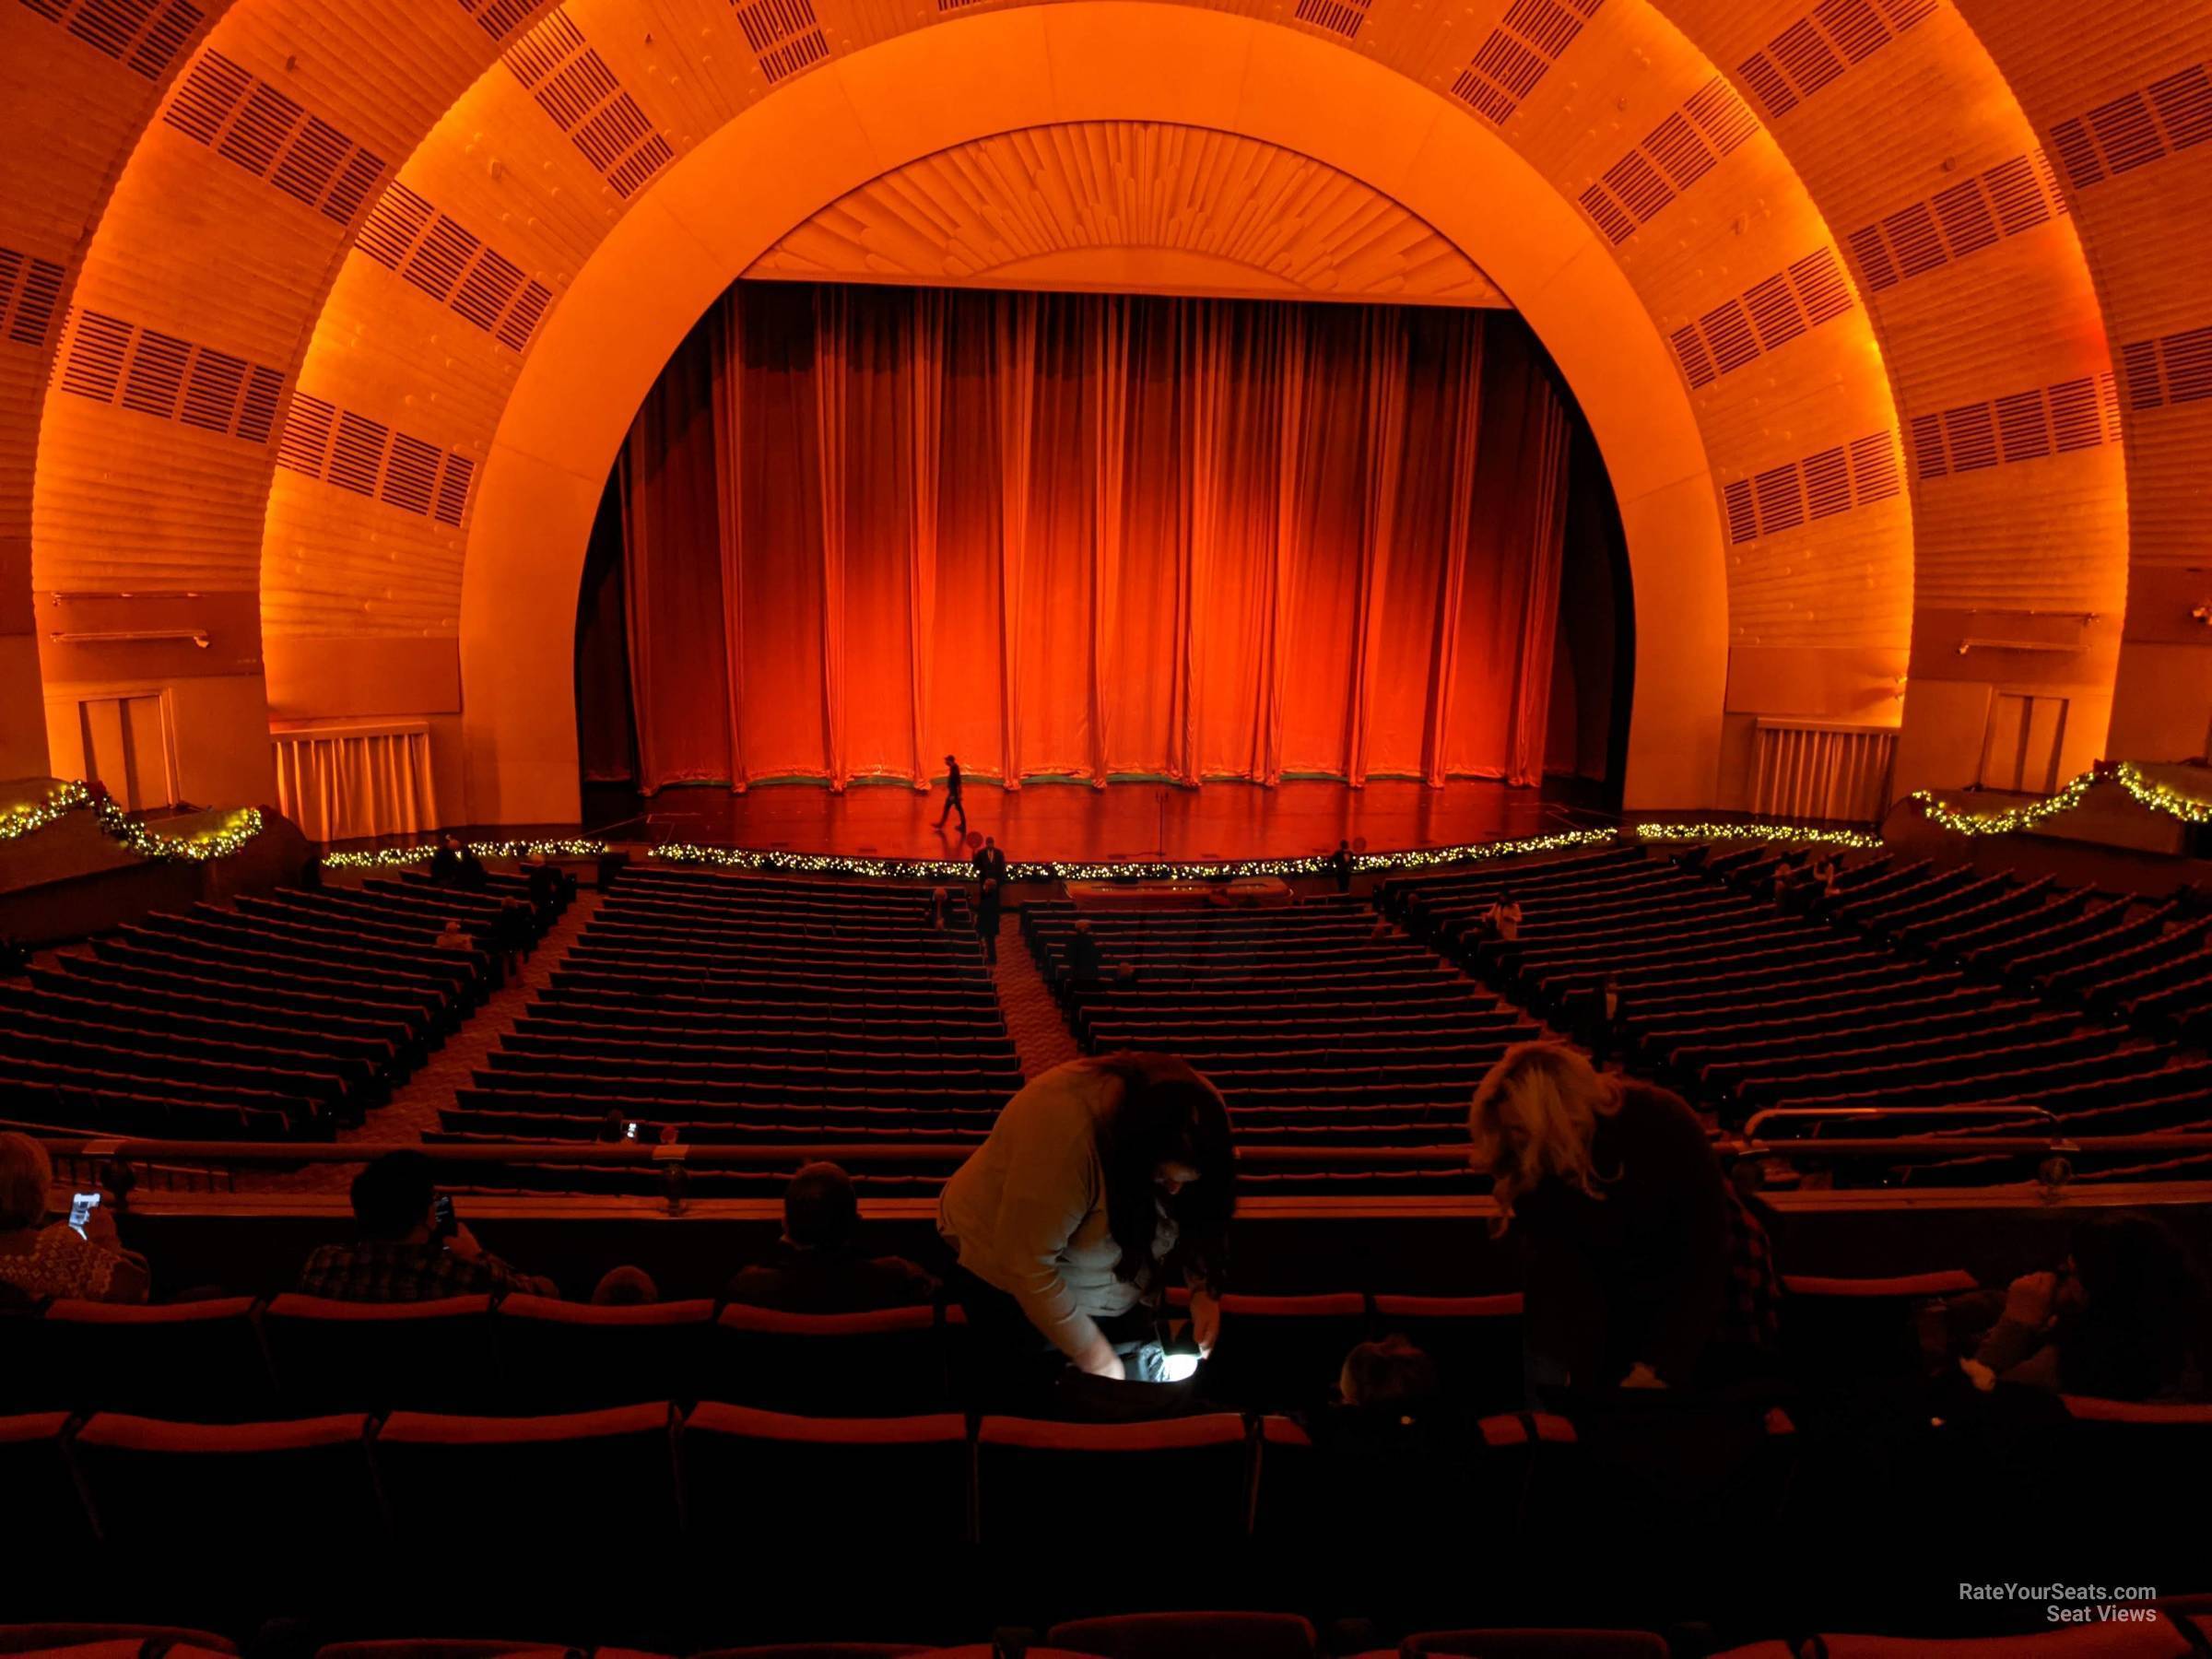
(43, 1254)
(1063, 1223)
(411, 1248)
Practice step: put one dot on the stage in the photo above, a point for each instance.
(1132, 822)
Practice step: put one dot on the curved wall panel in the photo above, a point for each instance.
(1983, 429)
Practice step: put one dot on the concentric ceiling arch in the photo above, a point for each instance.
(1881, 219)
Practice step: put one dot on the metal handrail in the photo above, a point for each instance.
(788, 1154)
(1751, 1127)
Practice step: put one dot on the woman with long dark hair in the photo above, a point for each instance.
(1098, 1179)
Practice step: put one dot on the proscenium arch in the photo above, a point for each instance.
(861, 115)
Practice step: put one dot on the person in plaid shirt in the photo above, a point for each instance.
(1640, 1267)
(403, 1253)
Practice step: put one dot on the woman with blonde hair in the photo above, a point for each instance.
(1641, 1268)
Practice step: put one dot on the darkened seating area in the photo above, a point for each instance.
(283, 1017)
(968, 1518)
(234, 1359)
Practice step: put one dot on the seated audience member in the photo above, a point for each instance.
(1390, 1375)
(1641, 1267)
(2123, 1319)
(940, 908)
(818, 1267)
(1097, 1178)
(404, 1253)
(42, 1257)
(625, 1288)
(451, 937)
(1785, 881)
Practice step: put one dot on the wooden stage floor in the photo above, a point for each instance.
(1122, 822)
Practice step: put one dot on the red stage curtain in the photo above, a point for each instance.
(1092, 535)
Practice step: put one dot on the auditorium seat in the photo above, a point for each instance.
(1534, 1644)
(482, 1649)
(341, 1356)
(1838, 1332)
(827, 1650)
(281, 1489)
(50, 1518)
(885, 1364)
(1181, 1484)
(552, 1356)
(588, 1483)
(1189, 1636)
(1474, 1340)
(1675, 1465)
(111, 1640)
(2158, 1638)
(1368, 1504)
(754, 1481)
(186, 1361)
(1279, 1352)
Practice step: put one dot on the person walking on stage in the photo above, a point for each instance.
(986, 919)
(952, 794)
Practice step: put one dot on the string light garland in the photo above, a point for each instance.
(20, 822)
(393, 858)
(230, 836)
(782, 862)
(232, 833)
(1795, 835)
(948, 869)
(2161, 797)
(2008, 821)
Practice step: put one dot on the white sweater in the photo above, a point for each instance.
(1027, 1212)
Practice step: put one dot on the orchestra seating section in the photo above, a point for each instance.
(751, 1010)
(1921, 998)
(724, 1010)
(289, 1017)
(1321, 1027)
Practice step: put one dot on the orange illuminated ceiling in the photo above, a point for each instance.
(329, 313)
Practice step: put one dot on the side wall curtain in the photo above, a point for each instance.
(1086, 536)
(345, 784)
(1822, 772)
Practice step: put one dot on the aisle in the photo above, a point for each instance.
(1041, 1038)
(414, 1107)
